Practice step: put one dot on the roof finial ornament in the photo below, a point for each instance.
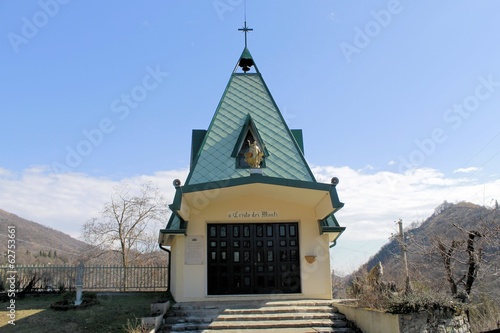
(245, 28)
(246, 60)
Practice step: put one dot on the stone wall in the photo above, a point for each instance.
(433, 321)
(437, 321)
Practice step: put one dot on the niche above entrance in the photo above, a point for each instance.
(249, 150)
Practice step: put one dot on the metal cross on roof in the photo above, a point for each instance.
(245, 29)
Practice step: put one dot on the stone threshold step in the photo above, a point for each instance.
(183, 327)
(278, 330)
(176, 314)
(182, 307)
(276, 316)
(280, 309)
(251, 303)
(304, 302)
(277, 324)
(188, 320)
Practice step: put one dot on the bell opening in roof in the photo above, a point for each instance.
(245, 63)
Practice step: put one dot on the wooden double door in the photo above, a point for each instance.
(261, 258)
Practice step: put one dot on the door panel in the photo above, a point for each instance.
(258, 258)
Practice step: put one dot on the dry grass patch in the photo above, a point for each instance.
(111, 314)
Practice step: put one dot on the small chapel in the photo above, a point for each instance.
(250, 220)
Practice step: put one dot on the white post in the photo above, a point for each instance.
(79, 283)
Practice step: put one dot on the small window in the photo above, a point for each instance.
(260, 230)
(282, 231)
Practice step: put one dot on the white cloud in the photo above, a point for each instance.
(374, 201)
(5, 172)
(367, 167)
(466, 170)
(66, 201)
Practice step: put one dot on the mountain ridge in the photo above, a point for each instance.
(449, 223)
(39, 244)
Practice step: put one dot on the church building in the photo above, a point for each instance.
(250, 220)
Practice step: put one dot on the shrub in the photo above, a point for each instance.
(137, 326)
(68, 301)
(484, 314)
(421, 301)
(61, 286)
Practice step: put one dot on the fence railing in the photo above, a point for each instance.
(95, 278)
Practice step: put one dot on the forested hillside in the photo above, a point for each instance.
(37, 244)
(454, 252)
(40, 245)
(460, 233)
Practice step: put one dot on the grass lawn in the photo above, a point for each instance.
(33, 314)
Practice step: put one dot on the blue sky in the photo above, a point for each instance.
(399, 99)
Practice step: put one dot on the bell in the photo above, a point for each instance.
(245, 64)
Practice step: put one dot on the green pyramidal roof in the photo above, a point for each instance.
(247, 97)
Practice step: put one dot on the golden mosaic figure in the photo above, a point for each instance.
(254, 155)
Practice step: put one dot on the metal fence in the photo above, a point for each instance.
(95, 278)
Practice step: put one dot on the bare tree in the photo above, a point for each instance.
(447, 253)
(466, 248)
(127, 225)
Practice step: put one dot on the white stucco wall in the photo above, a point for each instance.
(190, 280)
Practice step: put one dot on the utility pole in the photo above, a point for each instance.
(408, 286)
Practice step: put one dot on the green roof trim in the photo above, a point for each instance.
(175, 225)
(246, 54)
(261, 179)
(176, 204)
(299, 138)
(330, 225)
(335, 199)
(197, 137)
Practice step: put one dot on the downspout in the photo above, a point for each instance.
(331, 245)
(169, 264)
